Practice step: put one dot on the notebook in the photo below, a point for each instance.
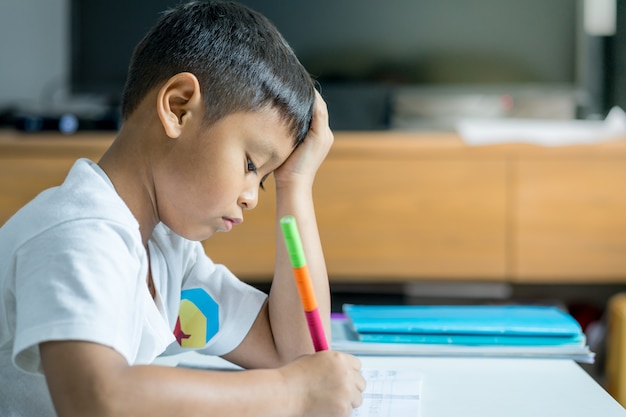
(481, 324)
(344, 339)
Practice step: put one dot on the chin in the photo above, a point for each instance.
(200, 237)
(195, 234)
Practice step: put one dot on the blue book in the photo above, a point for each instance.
(472, 339)
(485, 324)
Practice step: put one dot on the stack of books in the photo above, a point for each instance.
(478, 330)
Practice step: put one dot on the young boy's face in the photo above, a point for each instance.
(212, 175)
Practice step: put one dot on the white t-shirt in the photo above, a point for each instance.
(73, 267)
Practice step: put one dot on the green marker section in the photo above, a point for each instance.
(292, 241)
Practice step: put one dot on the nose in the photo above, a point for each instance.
(249, 198)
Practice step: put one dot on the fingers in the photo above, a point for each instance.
(305, 160)
(320, 128)
(355, 382)
(320, 124)
(332, 381)
(361, 384)
(320, 113)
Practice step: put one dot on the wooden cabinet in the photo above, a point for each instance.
(397, 206)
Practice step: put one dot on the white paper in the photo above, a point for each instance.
(390, 393)
(476, 132)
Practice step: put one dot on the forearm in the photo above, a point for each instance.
(287, 318)
(294, 196)
(163, 391)
(90, 379)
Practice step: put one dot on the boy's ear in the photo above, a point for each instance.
(178, 101)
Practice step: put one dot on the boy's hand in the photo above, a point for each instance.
(328, 383)
(303, 163)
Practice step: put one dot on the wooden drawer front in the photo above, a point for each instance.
(570, 223)
(405, 219)
(21, 179)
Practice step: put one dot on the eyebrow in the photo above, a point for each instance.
(269, 150)
(273, 155)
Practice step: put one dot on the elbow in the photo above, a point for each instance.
(93, 399)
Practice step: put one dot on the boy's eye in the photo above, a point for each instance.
(251, 166)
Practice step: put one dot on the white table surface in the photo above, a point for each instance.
(489, 387)
(485, 387)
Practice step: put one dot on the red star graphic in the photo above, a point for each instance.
(179, 334)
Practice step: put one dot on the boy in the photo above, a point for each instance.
(100, 275)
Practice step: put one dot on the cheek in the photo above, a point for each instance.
(177, 193)
(197, 190)
(199, 196)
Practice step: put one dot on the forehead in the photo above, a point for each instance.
(268, 133)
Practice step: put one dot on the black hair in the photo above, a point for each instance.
(240, 59)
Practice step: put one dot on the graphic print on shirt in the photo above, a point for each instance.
(198, 318)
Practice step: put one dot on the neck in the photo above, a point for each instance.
(128, 167)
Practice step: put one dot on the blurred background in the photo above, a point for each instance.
(398, 64)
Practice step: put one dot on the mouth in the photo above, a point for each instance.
(230, 222)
